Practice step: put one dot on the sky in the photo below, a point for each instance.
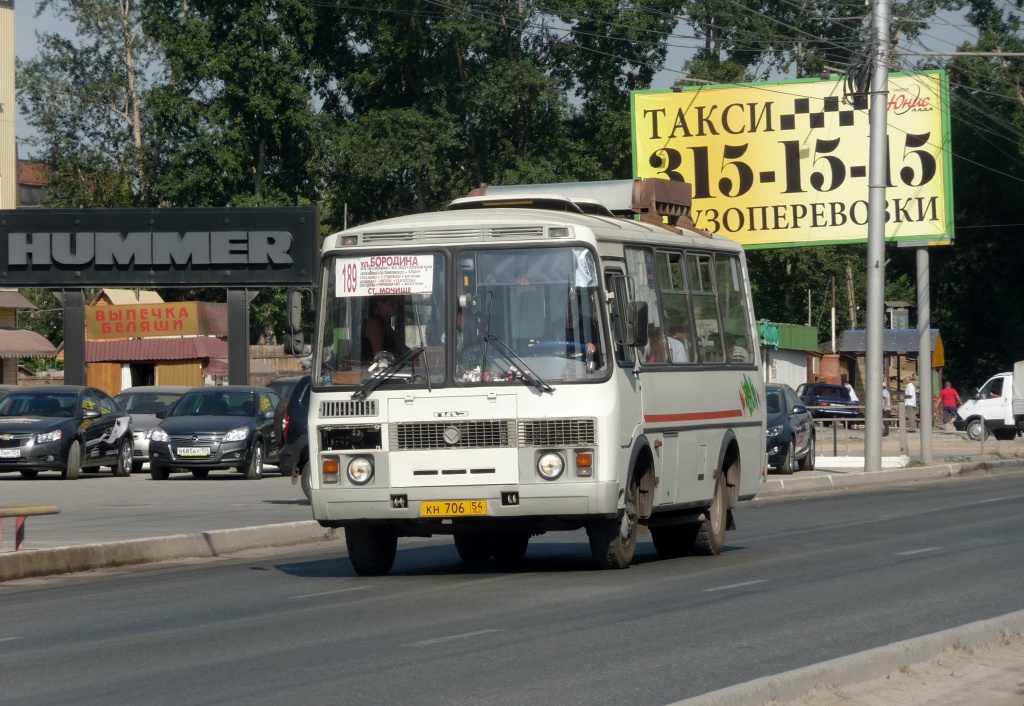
(945, 35)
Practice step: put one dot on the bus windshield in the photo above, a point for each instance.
(518, 314)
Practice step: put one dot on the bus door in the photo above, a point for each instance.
(627, 416)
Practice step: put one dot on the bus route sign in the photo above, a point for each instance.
(786, 163)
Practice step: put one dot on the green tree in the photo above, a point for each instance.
(83, 96)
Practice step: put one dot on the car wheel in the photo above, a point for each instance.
(711, 535)
(74, 464)
(1005, 434)
(807, 462)
(472, 548)
(613, 542)
(254, 471)
(789, 463)
(976, 429)
(200, 473)
(674, 541)
(371, 548)
(29, 474)
(123, 468)
(159, 473)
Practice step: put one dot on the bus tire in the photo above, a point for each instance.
(711, 531)
(674, 541)
(510, 547)
(371, 549)
(613, 542)
(472, 548)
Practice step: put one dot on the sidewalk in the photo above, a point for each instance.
(840, 460)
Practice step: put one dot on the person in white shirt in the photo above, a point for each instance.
(853, 395)
(910, 402)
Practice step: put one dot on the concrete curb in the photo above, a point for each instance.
(83, 557)
(860, 667)
(825, 481)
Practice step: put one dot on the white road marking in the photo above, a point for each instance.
(734, 585)
(340, 590)
(8, 639)
(918, 551)
(449, 638)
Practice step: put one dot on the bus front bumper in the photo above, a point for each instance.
(336, 507)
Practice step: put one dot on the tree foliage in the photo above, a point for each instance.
(387, 107)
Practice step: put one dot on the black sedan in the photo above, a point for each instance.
(211, 428)
(66, 428)
(790, 435)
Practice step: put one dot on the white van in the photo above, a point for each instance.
(989, 411)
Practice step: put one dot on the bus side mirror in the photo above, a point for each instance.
(636, 324)
(294, 309)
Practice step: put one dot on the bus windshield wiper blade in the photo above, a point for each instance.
(527, 374)
(380, 376)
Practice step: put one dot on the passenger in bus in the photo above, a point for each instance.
(378, 334)
(582, 333)
(657, 345)
(679, 343)
(737, 353)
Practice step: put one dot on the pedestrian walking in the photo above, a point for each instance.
(886, 408)
(910, 402)
(949, 398)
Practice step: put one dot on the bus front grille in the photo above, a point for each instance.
(484, 434)
(557, 432)
(348, 408)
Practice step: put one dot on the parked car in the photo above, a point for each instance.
(790, 435)
(65, 428)
(827, 401)
(212, 428)
(143, 403)
(291, 419)
(283, 385)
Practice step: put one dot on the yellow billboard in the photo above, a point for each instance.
(786, 163)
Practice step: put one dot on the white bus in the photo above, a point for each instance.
(526, 361)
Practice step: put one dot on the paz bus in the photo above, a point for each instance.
(533, 359)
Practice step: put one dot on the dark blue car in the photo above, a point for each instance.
(790, 435)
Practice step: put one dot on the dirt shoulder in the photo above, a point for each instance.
(992, 674)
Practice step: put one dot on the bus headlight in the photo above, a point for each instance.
(360, 471)
(550, 466)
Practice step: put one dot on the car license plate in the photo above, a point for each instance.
(10, 453)
(193, 451)
(452, 508)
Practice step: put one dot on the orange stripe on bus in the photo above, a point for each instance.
(693, 416)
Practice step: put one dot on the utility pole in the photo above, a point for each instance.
(877, 167)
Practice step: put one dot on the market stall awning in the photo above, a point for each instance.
(133, 350)
(17, 343)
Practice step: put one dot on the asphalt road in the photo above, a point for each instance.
(803, 580)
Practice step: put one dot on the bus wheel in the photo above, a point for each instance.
(371, 549)
(510, 547)
(613, 542)
(711, 534)
(674, 541)
(472, 548)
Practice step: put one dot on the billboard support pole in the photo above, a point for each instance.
(74, 337)
(880, 13)
(238, 337)
(924, 352)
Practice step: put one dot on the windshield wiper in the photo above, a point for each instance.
(379, 376)
(524, 370)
